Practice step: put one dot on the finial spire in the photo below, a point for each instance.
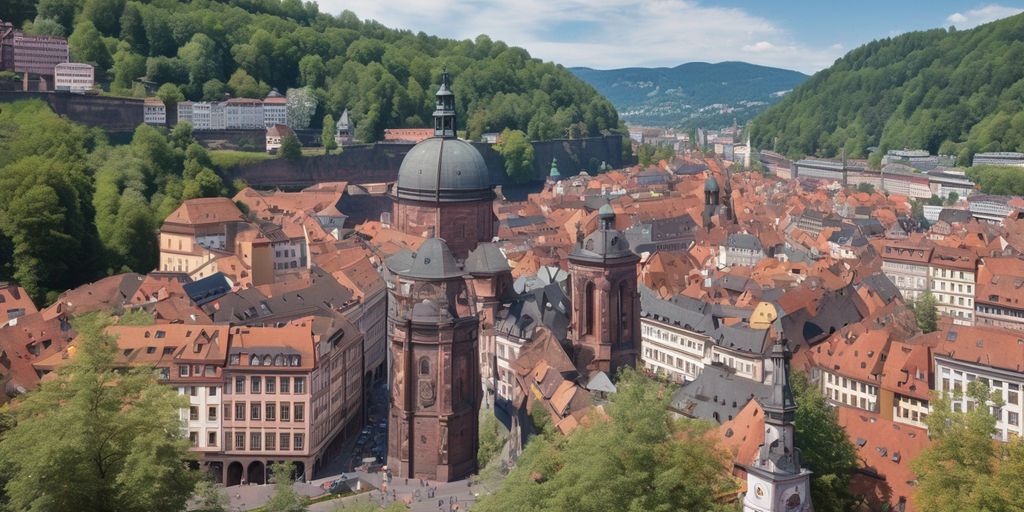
(444, 111)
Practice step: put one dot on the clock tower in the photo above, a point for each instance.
(775, 480)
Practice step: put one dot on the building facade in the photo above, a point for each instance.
(73, 77)
(953, 274)
(435, 377)
(154, 112)
(908, 268)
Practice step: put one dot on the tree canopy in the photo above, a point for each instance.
(518, 155)
(636, 459)
(96, 439)
(964, 469)
(824, 447)
(384, 77)
(947, 91)
(74, 208)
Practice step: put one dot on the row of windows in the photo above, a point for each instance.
(268, 411)
(1016, 313)
(267, 360)
(270, 441)
(959, 287)
(955, 381)
(194, 390)
(665, 335)
(211, 413)
(211, 438)
(269, 385)
(679, 363)
(850, 399)
(738, 364)
(953, 274)
(851, 384)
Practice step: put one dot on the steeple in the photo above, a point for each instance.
(444, 111)
(554, 174)
(775, 480)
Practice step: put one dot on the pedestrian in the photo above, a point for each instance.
(406, 481)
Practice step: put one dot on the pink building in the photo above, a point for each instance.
(286, 395)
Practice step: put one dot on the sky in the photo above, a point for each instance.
(805, 35)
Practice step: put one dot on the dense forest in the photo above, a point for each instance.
(384, 77)
(74, 208)
(947, 91)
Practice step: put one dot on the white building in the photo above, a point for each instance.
(185, 113)
(908, 268)
(73, 77)
(953, 277)
(275, 136)
(275, 109)
(155, 112)
(244, 114)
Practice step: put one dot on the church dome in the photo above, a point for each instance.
(444, 169)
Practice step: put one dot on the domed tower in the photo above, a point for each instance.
(605, 301)
(443, 188)
(435, 376)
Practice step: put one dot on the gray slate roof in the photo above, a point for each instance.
(717, 394)
(487, 258)
(433, 261)
(444, 170)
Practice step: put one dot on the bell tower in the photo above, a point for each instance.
(435, 375)
(775, 481)
(444, 110)
(605, 301)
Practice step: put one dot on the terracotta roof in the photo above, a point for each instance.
(14, 298)
(908, 370)
(295, 338)
(207, 210)
(885, 450)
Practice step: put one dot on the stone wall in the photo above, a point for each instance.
(375, 163)
(110, 114)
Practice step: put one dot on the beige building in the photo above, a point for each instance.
(953, 274)
(196, 233)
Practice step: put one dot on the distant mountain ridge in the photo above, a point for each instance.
(692, 94)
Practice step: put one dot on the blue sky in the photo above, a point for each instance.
(806, 35)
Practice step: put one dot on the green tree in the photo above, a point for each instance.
(46, 27)
(290, 147)
(213, 90)
(242, 85)
(492, 438)
(127, 451)
(86, 45)
(285, 497)
(637, 459)
(208, 497)
(926, 311)
(61, 10)
(952, 198)
(170, 94)
(311, 71)
(105, 15)
(958, 471)
(327, 134)
(518, 155)
(127, 67)
(824, 448)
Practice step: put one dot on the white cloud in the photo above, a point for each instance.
(603, 33)
(975, 17)
(758, 47)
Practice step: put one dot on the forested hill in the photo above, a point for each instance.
(385, 77)
(692, 94)
(955, 92)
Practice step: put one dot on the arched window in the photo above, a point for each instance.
(279, 360)
(295, 361)
(424, 366)
(624, 311)
(254, 360)
(266, 360)
(588, 326)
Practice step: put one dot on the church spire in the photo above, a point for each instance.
(444, 111)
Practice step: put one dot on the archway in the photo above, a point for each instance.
(257, 474)
(235, 471)
(300, 472)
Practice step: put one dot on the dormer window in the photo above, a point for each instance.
(254, 360)
(294, 360)
(235, 359)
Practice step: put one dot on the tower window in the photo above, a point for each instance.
(588, 314)
(424, 366)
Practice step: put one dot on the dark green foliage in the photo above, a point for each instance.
(866, 188)
(73, 208)
(492, 437)
(327, 134)
(960, 92)
(518, 155)
(824, 448)
(290, 147)
(637, 459)
(647, 154)
(385, 78)
(285, 498)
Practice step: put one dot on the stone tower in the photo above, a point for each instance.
(605, 301)
(444, 188)
(775, 481)
(490, 280)
(435, 376)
